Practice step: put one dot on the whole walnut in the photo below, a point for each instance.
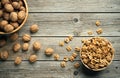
(22, 8)
(36, 46)
(2, 42)
(49, 51)
(6, 16)
(8, 7)
(33, 58)
(25, 46)
(18, 60)
(5, 1)
(4, 55)
(1, 13)
(3, 23)
(15, 24)
(13, 16)
(20, 2)
(16, 47)
(26, 37)
(34, 28)
(8, 28)
(15, 5)
(14, 36)
(21, 15)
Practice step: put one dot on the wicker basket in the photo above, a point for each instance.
(26, 6)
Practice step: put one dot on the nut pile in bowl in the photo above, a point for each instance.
(13, 14)
(96, 53)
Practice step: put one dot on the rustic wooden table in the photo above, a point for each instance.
(58, 19)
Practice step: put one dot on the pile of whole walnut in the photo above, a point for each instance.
(12, 14)
(96, 53)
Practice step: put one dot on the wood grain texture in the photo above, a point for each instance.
(53, 42)
(47, 69)
(74, 5)
(77, 24)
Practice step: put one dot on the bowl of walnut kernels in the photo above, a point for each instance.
(96, 53)
(13, 15)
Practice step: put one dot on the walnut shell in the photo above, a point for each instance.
(36, 46)
(2, 42)
(6, 16)
(21, 15)
(34, 28)
(26, 37)
(8, 7)
(16, 47)
(1, 13)
(4, 55)
(22, 8)
(15, 24)
(14, 36)
(21, 3)
(18, 60)
(13, 16)
(3, 23)
(5, 1)
(8, 28)
(25, 46)
(49, 51)
(33, 58)
(15, 5)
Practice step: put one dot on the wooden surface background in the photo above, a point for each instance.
(58, 19)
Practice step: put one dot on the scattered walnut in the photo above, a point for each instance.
(66, 40)
(68, 48)
(34, 28)
(65, 59)
(33, 58)
(16, 47)
(99, 31)
(49, 51)
(71, 58)
(25, 46)
(56, 57)
(2, 42)
(36, 46)
(97, 23)
(77, 49)
(74, 55)
(18, 60)
(26, 37)
(63, 64)
(4, 55)
(77, 65)
(14, 36)
(70, 38)
(61, 43)
(90, 32)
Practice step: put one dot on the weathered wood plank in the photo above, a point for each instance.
(53, 42)
(52, 69)
(77, 24)
(74, 5)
